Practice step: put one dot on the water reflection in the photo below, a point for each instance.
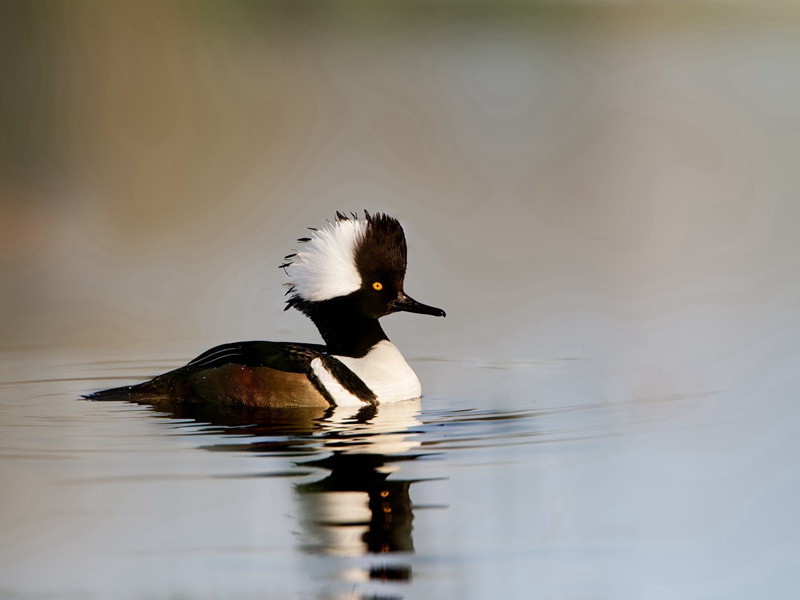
(353, 500)
(356, 509)
(331, 504)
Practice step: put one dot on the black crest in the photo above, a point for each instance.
(382, 254)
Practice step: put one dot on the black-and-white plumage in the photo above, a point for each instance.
(345, 277)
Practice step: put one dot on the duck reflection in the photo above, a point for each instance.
(351, 500)
(356, 508)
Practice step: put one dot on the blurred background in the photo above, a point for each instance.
(615, 180)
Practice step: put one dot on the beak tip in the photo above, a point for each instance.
(404, 303)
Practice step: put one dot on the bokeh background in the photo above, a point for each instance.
(614, 180)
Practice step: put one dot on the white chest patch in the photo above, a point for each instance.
(383, 370)
(386, 373)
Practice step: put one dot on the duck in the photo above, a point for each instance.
(346, 276)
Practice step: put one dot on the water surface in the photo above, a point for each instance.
(522, 483)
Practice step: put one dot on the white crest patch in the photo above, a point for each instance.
(325, 267)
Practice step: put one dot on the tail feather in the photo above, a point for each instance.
(155, 391)
(126, 392)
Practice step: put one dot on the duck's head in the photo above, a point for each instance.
(353, 264)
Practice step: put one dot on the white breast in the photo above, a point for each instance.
(383, 370)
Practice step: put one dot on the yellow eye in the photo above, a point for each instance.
(378, 286)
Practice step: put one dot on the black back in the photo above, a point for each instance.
(282, 356)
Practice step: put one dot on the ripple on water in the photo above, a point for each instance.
(348, 478)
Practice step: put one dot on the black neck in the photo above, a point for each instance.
(345, 330)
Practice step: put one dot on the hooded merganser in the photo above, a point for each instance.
(348, 275)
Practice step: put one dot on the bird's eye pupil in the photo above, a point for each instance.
(378, 286)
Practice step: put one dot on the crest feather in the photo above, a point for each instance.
(325, 267)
